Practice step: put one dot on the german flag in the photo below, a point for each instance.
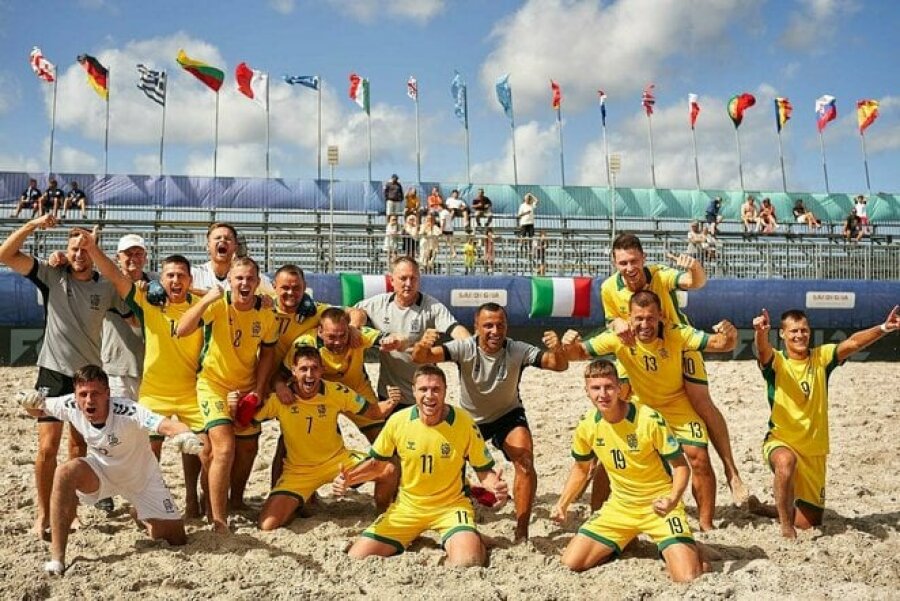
(97, 74)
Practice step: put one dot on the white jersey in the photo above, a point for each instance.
(121, 448)
(204, 278)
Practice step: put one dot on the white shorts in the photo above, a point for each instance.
(124, 386)
(153, 502)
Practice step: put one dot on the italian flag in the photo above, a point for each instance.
(355, 287)
(560, 297)
(359, 91)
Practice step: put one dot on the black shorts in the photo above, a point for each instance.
(52, 383)
(499, 429)
(527, 230)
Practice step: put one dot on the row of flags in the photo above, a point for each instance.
(253, 84)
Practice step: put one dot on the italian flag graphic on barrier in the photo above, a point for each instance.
(355, 287)
(560, 297)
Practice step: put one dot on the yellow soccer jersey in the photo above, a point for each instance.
(349, 369)
(170, 362)
(432, 458)
(291, 326)
(231, 341)
(310, 427)
(654, 369)
(798, 397)
(661, 279)
(634, 451)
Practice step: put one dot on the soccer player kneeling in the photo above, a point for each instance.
(648, 475)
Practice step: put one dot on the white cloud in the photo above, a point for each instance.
(19, 162)
(884, 134)
(673, 153)
(537, 152)
(583, 45)
(369, 11)
(67, 159)
(285, 7)
(815, 21)
(10, 92)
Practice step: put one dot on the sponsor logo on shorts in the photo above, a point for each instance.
(220, 406)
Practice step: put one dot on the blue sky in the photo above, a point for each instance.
(714, 48)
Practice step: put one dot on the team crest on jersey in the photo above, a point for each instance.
(95, 301)
(410, 445)
(321, 409)
(632, 441)
(256, 329)
(445, 449)
(663, 353)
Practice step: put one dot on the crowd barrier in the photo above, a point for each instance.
(836, 308)
(366, 197)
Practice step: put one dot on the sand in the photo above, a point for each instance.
(855, 555)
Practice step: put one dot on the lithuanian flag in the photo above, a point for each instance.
(97, 74)
(211, 76)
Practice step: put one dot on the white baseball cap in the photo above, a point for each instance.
(130, 241)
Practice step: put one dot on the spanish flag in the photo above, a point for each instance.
(866, 113)
(97, 74)
(209, 75)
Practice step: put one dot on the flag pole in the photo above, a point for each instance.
(319, 130)
(652, 161)
(216, 140)
(737, 140)
(862, 137)
(781, 158)
(369, 128)
(106, 136)
(512, 126)
(267, 127)
(824, 165)
(52, 126)
(466, 128)
(606, 154)
(696, 163)
(562, 164)
(418, 149)
(162, 133)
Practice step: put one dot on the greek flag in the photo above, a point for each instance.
(153, 84)
(310, 81)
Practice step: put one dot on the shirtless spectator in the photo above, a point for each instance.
(766, 220)
(749, 215)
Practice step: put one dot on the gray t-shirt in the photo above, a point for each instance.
(427, 312)
(74, 311)
(489, 384)
(123, 344)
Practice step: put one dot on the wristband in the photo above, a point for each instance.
(883, 328)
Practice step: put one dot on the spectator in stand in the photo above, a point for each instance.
(391, 238)
(482, 206)
(489, 251)
(860, 209)
(31, 197)
(447, 218)
(435, 202)
(710, 245)
(429, 239)
(853, 227)
(525, 215)
(713, 218)
(410, 239)
(805, 216)
(539, 253)
(76, 197)
(53, 196)
(767, 220)
(749, 215)
(695, 240)
(470, 254)
(393, 197)
(459, 209)
(412, 203)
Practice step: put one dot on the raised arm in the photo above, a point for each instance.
(724, 338)
(11, 250)
(860, 340)
(573, 346)
(578, 477)
(191, 319)
(459, 332)
(555, 358)
(105, 265)
(425, 351)
(694, 276)
(761, 327)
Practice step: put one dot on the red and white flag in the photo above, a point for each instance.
(412, 88)
(694, 108)
(41, 66)
(648, 99)
(252, 83)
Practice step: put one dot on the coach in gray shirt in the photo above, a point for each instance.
(408, 312)
(75, 302)
(490, 368)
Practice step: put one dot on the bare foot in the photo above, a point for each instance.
(739, 492)
(757, 507)
(76, 525)
(788, 531)
(192, 509)
(706, 526)
(221, 528)
(41, 530)
(520, 535)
